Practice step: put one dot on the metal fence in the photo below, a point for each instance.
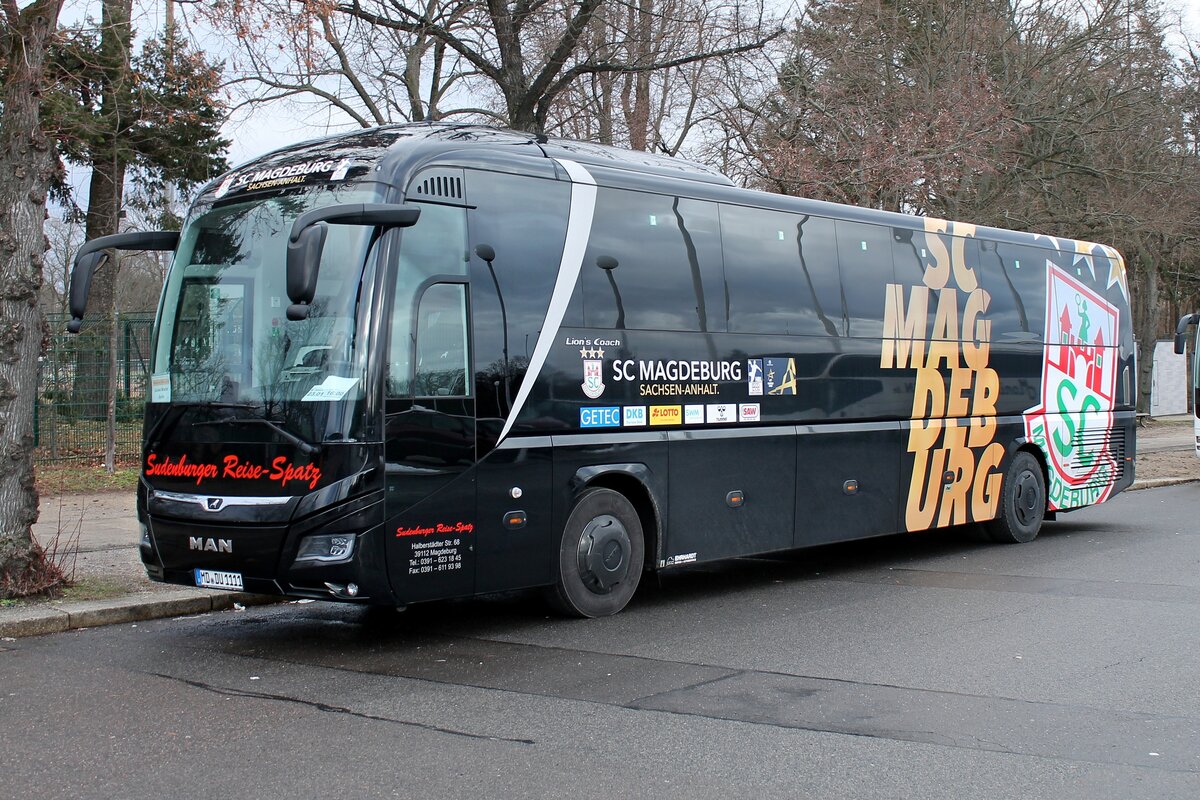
(71, 416)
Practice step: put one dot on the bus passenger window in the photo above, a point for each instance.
(1015, 279)
(781, 272)
(865, 254)
(668, 256)
(441, 368)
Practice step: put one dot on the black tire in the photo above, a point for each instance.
(600, 556)
(1022, 502)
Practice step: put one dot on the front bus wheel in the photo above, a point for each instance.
(1022, 502)
(600, 556)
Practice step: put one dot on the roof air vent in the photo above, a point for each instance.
(441, 185)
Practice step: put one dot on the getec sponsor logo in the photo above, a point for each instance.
(666, 415)
(600, 417)
(635, 415)
(748, 412)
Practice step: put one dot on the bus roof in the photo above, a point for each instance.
(404, 147)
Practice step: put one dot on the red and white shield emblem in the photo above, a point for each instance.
(593, 378)
(1074, 422)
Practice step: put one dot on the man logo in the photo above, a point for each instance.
(210, 545)
(213, 503)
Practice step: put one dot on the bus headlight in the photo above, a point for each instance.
(329, 548)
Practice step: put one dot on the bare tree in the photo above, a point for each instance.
(27, 165)
(659, 108)
(512, 62)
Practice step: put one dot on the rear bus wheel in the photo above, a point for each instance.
(1022, 502)
(599, 557)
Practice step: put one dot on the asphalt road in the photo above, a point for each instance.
(908, 667)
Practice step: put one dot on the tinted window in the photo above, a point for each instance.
(667, 252)
(441, 367)
(1015, 278)
(781, 272)
(865, 253)
(436, 245)
(908, 257)
(523, 220)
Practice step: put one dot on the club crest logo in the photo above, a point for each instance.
(593, 372)
(1073, 424)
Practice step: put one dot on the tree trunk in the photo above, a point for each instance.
(92, 387)
(27, 164)
(1146, 324)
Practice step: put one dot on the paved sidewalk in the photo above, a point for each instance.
(107, 534)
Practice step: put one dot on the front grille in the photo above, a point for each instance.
(254, 550)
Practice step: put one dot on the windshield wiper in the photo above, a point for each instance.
(306, 447)
(153, 438)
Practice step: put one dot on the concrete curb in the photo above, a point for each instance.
(1155, 483)
(57, 617)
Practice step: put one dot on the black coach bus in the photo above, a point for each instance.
(428, 361)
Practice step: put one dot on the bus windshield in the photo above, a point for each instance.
(223, 333)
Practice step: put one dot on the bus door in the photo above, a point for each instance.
(429, 414)
(517, 226)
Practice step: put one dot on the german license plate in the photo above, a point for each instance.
(211, 579)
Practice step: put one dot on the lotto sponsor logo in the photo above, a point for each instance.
(666, 415)
(693, 415)
(600, 417)
(748, 412)
(722, 412)
(635, 415)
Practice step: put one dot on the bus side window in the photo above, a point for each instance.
(781, 272)
(865, 255)
(668, 264)
(1015, 279)
(441, 368)
(436, 245)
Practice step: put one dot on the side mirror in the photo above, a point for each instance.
(606, 263)
(303, 259)
(92, 255)
(81, 286)
(1180, 331)
(307, 240)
